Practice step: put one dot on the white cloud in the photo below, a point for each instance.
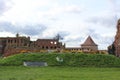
(30, 29)
(5, 5)
(27, 11)
(77, 17)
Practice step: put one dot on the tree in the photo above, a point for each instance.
(111, 49)
(58, 37)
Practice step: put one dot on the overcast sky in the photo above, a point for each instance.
(74, 20)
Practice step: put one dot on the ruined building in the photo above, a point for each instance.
(115, 47)
(20, 44)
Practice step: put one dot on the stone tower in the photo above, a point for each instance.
(89, 45)
(116, 44)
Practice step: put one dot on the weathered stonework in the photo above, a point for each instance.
(117, 40)
(115, 47)
(21, 44)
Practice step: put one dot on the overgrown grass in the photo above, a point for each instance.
(69, 59)
(58, 73)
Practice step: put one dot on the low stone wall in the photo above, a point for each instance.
(35, 64)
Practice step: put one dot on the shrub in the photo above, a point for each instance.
(63, 59)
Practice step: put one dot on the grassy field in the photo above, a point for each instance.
(58, 73)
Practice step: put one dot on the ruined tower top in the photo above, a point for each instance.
(118, 20)
(118, 24)
(17, 35)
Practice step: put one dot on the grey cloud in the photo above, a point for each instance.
(99, 38)
(66, 34)
(103, 20)
(110, 18)
(107, 40)
(32, 29)
(6, 26)
(75, 10)
(93, 33)
(77, 39)
(63, 33)
(26, 29)
(102, 39)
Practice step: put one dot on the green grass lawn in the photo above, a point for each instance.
(58, 73)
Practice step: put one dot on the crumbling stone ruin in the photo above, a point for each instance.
(21, 44)
(115, 47)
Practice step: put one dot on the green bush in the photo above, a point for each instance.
(63, 59)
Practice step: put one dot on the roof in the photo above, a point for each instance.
(89, 42)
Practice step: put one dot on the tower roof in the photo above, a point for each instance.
(89, 42)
